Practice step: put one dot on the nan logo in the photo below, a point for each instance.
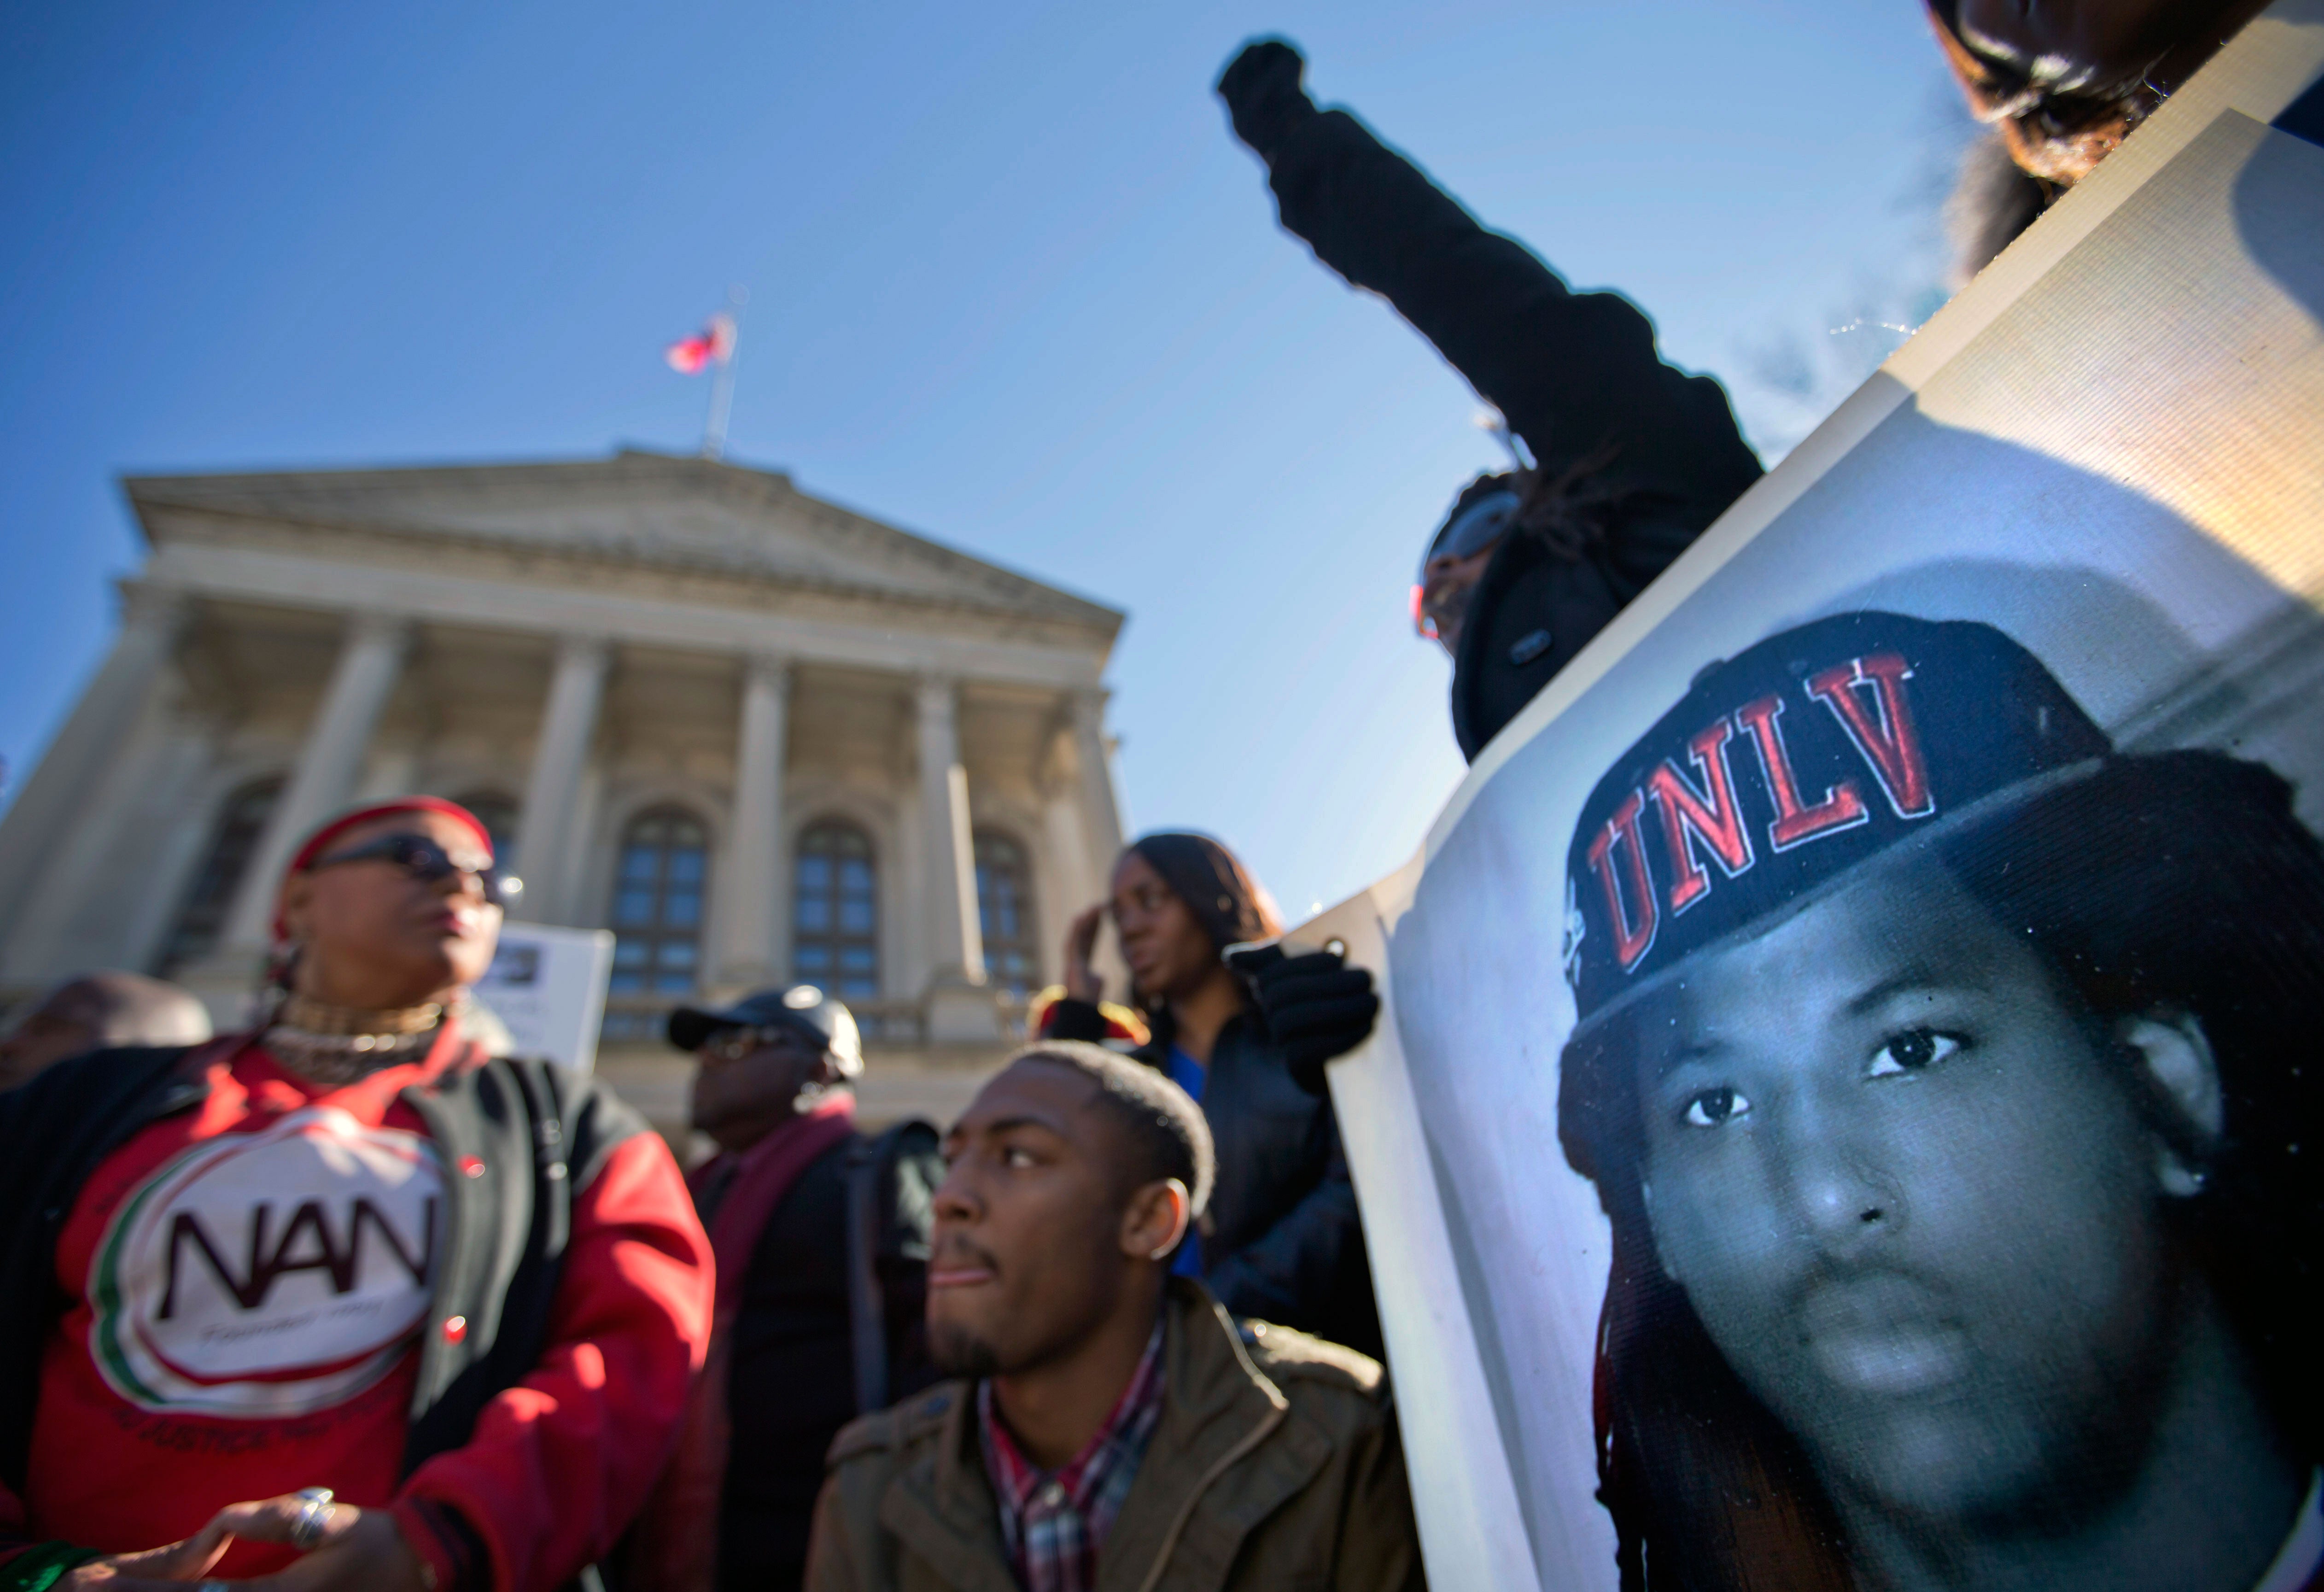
(270, 1274)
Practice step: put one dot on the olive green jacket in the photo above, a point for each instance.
(1274, 1465)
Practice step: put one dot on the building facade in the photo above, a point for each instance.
(759, 736)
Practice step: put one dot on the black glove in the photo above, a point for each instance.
(1264, 98)
(1315, 1007)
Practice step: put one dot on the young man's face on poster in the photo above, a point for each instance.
(1909, 1189)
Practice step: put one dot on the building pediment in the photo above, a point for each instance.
(658, 510)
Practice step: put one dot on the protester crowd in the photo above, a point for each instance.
(343, 1299)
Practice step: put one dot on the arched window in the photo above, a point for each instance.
(498, 813)
(1004, 907)
(201, 917)
(835, 911)
(658, 904)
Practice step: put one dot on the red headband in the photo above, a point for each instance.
(304, 857)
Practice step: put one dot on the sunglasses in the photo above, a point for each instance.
(735, 1044)
(426, 861)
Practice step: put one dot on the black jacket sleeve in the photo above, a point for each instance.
(1575, 374)
(1077, 1020)
(54, 1130)
(1294, 1273)
(1283, 1240)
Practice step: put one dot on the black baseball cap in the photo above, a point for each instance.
(1789, 765)
(816, 1016)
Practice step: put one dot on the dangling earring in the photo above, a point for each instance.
(2181, 1180)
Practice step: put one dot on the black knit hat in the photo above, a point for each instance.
(1864, 730)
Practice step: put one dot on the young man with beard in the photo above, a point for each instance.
(1105, 1413)
(1632, 457)
(822, 1240)
(1951, 1084)
(340, 1300)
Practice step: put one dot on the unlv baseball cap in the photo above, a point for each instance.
(1790, 764)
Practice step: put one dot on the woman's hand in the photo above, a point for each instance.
(177, 1562)
(1082, 982)
(357, 1550)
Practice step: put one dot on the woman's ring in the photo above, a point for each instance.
(314, 1514)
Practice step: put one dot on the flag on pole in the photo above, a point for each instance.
(712, 345)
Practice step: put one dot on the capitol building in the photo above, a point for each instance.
(759, 736)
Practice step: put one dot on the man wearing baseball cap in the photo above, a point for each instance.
(340, 1300)
(1949, 1079)
(822, 1240)
(1631, 458)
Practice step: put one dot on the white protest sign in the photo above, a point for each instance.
(1767, 1085)
(547, 987)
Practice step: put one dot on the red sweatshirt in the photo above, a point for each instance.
(247, 1281)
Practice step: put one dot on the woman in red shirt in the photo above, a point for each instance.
(435, 1311)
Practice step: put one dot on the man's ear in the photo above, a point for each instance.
(1156, 1219)
(2179, 1062)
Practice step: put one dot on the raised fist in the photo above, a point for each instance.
(1314, 1005)
(1263, 96)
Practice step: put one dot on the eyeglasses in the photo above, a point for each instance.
(1470, 533)
(734, 1043)
(428, 862)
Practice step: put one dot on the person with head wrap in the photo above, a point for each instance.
(1281, 1239)
(2061, 85)
(1948, 1080)
(99, 1011)
(1631, 458)
(339, 1300)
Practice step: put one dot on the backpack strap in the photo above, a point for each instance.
(867, 1303)
(869, 1163)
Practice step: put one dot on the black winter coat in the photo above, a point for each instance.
(792, 1382)
(1654, 453)
(1281, 1240)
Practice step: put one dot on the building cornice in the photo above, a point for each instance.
(306, 505)
(632, 612)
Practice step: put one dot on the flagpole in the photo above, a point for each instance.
(722, 381)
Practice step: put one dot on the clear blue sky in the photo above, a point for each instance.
(1013, 287)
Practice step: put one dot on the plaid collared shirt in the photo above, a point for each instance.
(1053, 1524)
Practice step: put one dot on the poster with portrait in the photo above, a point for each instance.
(1848, 1112)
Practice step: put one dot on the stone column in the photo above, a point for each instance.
(369, 659)
(750, 885)
(955, 938)
(567, 725)
(152, 618)
(1101, 811)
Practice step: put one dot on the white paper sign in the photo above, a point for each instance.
(1792, 1260)
(547, 987)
